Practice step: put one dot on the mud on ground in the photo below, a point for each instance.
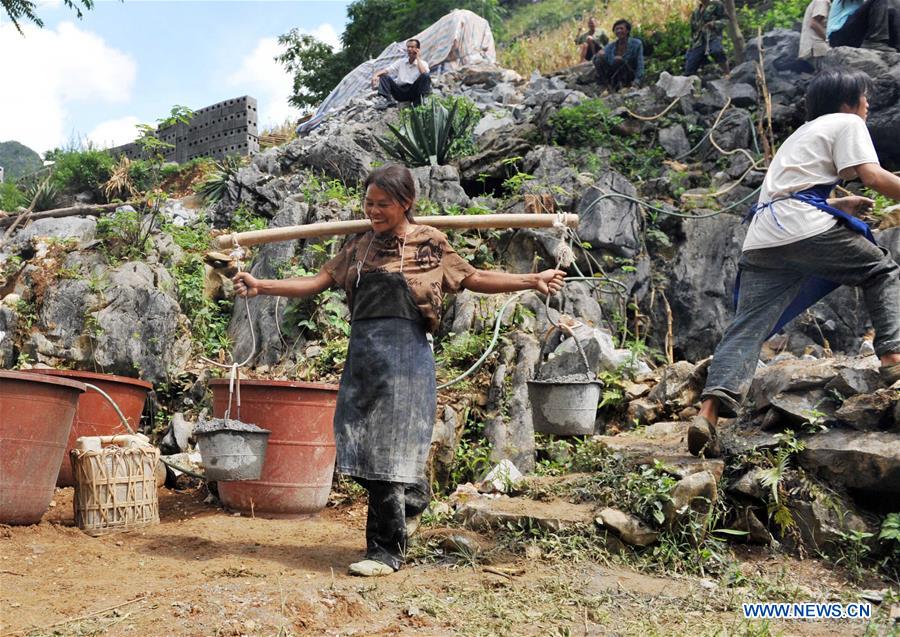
(206, 571)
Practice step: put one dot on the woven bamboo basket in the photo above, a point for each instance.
(115, 488)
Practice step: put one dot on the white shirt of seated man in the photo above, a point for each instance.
(408, 70)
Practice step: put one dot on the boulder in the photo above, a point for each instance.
(674, 140)
(869, 412)
(266, 343)
(610, 224)
(677, 85)
(139, 328)
(486, 514)
(512, 436)
(823, 525)
(700, 285)
(866, 461)
(664, 442)
(695, 493)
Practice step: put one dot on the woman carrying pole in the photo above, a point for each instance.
(395, 276)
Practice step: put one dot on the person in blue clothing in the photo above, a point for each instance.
(869, 24)
(801, 244)
(622, 61)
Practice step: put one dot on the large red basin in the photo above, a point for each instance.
(95, 416)
(296, 477)
(36, 414)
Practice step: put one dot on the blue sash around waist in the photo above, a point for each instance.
(813, 288)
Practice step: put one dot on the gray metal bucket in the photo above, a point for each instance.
(233, 454)
(564, 408)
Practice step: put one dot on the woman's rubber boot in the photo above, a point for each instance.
(370, 568)
(702, 438)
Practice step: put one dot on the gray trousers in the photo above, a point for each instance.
(771, 278)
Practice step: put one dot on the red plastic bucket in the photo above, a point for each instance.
(296, 475)
(95, 416)
(36, 414)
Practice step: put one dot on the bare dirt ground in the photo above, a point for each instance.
(206, 571)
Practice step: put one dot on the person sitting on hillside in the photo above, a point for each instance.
(707, 22)
(406, 80)
(591, 42)
(869, 24)
(622, 61)
(802, 243)
(813, 41)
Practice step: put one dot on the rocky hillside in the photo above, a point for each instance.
(660, 177)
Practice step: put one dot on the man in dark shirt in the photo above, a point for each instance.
(707, 23)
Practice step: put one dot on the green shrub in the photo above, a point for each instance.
(665, 47)
(11, 197)
(81, 171)
(141, 175)
(782, 14)
(587, 124)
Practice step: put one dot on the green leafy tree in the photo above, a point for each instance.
(305, 58)
(371, 26)
(25, 10)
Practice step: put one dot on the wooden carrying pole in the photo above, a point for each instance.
(328, 228)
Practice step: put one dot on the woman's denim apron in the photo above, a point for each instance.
(813, 288)
(387, 399)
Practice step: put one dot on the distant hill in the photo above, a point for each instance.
(17, 160)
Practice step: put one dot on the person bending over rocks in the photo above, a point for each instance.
(395, 276)
(802, 244)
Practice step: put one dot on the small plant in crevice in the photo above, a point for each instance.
(773, 477)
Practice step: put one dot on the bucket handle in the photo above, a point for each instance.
(569, 329)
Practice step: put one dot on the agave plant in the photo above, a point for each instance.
(425, 138)
(43, 195)
(215, 187)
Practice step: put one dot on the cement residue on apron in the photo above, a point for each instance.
(387, 399)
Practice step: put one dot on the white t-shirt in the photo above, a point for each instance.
(813, 155)
(404, 72)
(811, 45)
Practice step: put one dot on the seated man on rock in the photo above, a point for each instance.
(590, 43)
(622, 61)
(405, 80)
(868, 24)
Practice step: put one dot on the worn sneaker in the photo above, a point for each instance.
(370, 568)
(702, 438)
(890, 374)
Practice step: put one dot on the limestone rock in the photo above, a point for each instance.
(674, 140)
(866, 461)
(484, 514)
(869, 412)
(610, 224)
(696, 492)
(628, 527)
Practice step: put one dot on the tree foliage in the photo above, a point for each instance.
(25, 10)
(371, 26)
